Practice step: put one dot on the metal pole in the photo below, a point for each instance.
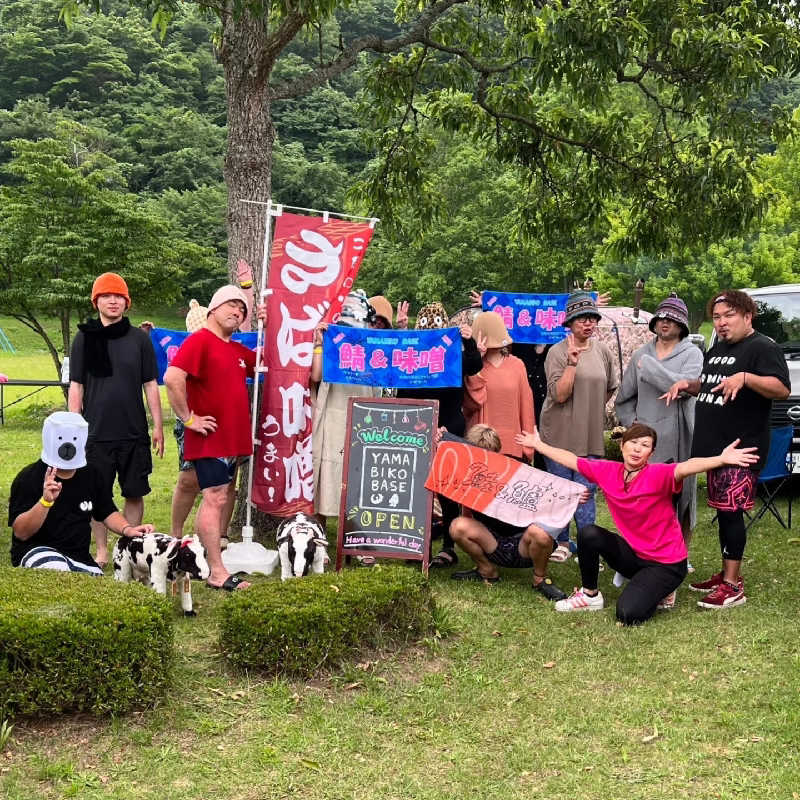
(247, 531)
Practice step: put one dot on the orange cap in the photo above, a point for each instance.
(110, 283)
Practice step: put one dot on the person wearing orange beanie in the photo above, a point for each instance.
(111, 363)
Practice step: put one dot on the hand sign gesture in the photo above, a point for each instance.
(52, 487)
(573, 351)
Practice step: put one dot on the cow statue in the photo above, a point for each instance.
(302, 547)
(155, 558)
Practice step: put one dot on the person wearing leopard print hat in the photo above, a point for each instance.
(451, 416)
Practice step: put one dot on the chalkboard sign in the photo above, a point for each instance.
(386, 509)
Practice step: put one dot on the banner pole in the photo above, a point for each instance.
(247, 531)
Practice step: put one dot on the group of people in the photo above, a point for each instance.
(56, 502)
(684, 414)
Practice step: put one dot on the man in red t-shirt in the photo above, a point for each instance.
(206, 386)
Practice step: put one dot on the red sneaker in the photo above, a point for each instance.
(724, 596)
(707, 586)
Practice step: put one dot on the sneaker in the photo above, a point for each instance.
(580, 601)
(619, 579)
(689, 567)
(707, 586)
(473, 575)
(668, 603)
(549, 590)
(724, 596)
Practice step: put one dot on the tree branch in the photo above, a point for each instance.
(348, 56)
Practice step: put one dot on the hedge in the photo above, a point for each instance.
(71, 642)
(299, 626)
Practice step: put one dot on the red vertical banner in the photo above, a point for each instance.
(313, 266)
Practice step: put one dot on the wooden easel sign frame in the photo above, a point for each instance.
(385, 509)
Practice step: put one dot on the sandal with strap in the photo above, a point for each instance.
(444, 558)
(561, 554)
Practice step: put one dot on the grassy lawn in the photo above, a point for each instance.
(517, 702)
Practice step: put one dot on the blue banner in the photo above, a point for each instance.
(166, 343)
(532, 318)
(429, 359)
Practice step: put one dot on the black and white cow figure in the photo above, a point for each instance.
(155, 558)
(302, 547)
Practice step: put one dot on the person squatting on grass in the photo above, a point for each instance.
(491, 543)
(649, 550)
(742, 373)
(53, 501)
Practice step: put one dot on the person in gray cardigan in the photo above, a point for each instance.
(653, 368)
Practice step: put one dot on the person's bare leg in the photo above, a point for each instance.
(133, 510)
(209, 524)
(537, 545)
(476, 541)
(183, 497)
(227, 513)
(100, 536)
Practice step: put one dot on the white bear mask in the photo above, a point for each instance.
(64, 437)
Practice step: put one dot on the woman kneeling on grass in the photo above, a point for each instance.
(649, 551)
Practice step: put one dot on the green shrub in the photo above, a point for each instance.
(613, 448)
(296, 627)
(72, 642)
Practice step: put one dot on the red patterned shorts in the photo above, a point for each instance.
(732, 488)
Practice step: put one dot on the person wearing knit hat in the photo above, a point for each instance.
(580, 379)
(580, 304)
(207, 389)
(653, 368)
(111, 284)
(186, 487)
(672, 308)
(111, 364)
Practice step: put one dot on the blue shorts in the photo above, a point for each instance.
(215, 471)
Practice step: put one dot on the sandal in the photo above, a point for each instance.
(561, 554)
(444, 558)
(474, 575)
(549, 590)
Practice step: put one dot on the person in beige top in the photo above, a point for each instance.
(580, 380)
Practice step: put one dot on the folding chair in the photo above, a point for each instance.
(776, 472)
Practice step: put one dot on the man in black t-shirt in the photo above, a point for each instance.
(53, 500)
(110, 363)
(742, 374)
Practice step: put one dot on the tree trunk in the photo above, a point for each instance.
(247, 170)
(248, 156)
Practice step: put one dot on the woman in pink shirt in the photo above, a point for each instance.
(499, 395)
(649, 549)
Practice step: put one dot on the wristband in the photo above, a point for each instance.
(246, 284)
(46, 503)
(318, 349)
(188, 423)
(572, 363)
(124, 528)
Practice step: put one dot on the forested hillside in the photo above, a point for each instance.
(142, 120)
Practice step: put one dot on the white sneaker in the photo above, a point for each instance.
(619, 579)
(580, 601)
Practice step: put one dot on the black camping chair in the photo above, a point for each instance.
(776, 472)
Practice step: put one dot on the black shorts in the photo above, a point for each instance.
(215, 471)
(507, 553)
(130, 461)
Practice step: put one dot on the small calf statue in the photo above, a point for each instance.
(155, 558)
(302, 547)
